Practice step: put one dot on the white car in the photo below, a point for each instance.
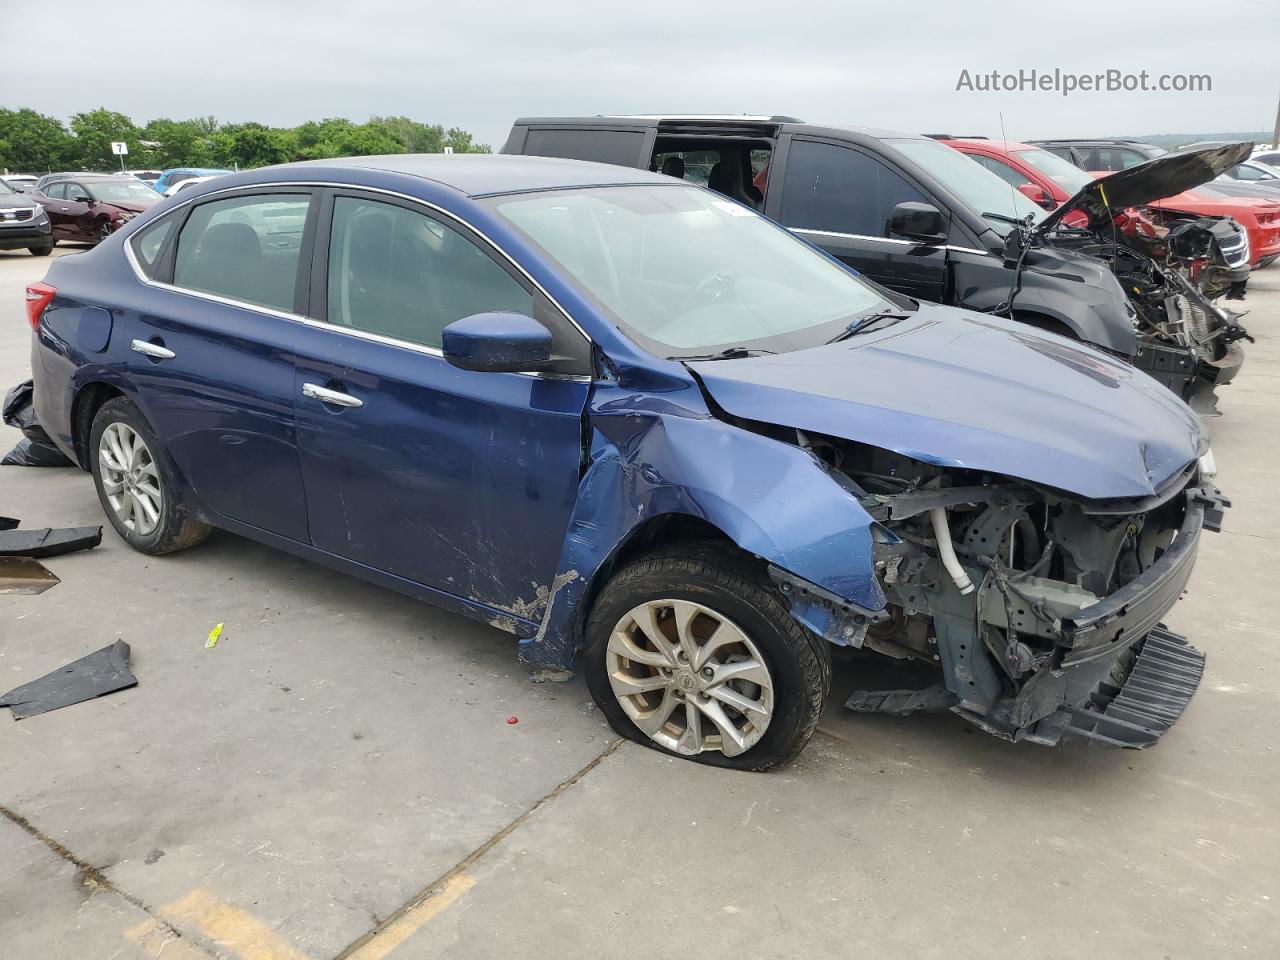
(1266, 154)
(21, 182)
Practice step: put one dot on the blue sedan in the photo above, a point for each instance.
(651, 433)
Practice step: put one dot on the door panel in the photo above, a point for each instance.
(223, 406)
(458, 480)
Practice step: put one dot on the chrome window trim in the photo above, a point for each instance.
(131, 257)
(909, 243)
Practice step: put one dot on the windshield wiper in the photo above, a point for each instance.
(864, 323)
(729, 353)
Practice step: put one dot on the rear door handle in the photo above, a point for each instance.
(336, 397)
(152, 350)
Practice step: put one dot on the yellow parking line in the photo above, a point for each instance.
(160, 943)
(413, 919)
(230, 927)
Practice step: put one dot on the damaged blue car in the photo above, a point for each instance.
(651, 433)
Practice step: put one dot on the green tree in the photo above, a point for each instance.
(94, 132)
(31, 142)
(254, 145)
(464, 142)
(177, 143)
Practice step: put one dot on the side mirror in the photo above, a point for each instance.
(497, 342)
(918, 221)
(1037, 196)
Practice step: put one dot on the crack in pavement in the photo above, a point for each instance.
(92, 876)
(353, 950)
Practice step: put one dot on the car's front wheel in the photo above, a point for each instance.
(137, 484)
(692, 652)
(105, 230)
(41, 251)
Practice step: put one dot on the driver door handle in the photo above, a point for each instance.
(152, 350)
(337, 398)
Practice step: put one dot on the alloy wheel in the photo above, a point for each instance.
(689, 678)
(130, 478)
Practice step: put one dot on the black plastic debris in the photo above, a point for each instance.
(48, 541)
(105, 671)
(35, 449)
(8, 523)
(24, 575)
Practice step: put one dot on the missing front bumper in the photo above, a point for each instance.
(1140, 709)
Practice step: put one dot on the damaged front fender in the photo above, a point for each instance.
(653, 457)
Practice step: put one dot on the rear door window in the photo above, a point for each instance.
(841, 190)
(56, 191)
(244, 248)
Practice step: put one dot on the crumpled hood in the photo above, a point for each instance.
(960, 389)
(1162, 177)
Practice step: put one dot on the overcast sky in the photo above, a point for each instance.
(478, 64)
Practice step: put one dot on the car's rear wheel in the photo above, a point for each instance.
(41, 251)
(137, 484)
(693, 653)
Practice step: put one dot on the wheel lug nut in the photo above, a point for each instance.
(682, 656)
(708, 672)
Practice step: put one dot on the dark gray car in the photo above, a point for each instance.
(23, 223)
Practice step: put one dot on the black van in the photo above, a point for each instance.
(908, 212)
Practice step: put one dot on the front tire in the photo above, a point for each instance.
(692, 652)
(137, 484)
(104, 230)
(40, 251)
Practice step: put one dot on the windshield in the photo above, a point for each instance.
(124, 191)
(687, 272)
(973, 183)
(1062, 172)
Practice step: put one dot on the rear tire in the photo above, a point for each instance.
(676, 696)
(137, 484)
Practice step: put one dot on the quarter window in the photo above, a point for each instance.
(399, 273)
(841, 190)
(244, 248)
(148, 243)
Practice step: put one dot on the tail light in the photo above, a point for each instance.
(38, 297)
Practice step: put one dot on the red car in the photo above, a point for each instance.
(93, 206)
(1050, 180)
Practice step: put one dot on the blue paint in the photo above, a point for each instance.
(505, 496)
(496, 342)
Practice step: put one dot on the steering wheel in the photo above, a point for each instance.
(726, 281)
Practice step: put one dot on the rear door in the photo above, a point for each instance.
(458, 480)
(212, 356)
(840, 198)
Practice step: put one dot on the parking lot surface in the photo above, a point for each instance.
(337, 777)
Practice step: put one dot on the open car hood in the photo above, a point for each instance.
(959, 389)
(1156, 179)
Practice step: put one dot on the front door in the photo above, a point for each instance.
(840, 199)
(458, 480)
(211, 356)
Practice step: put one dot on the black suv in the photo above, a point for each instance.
(923, 219)
(1109, 155)
(906, 211)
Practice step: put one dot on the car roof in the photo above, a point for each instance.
(478, 175)
(687, 123)
(1002, 146)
